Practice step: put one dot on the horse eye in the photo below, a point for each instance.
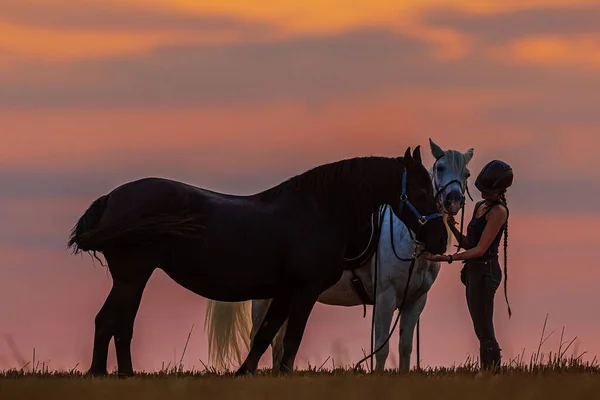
(440, 168)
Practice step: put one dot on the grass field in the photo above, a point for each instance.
(558, 378)
(541, 376)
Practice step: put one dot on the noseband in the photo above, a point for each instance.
(439, 191)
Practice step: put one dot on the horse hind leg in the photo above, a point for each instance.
(104, 330)
(117, 315)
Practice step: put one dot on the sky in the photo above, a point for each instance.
(237, 96)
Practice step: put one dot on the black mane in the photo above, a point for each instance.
(357, 184)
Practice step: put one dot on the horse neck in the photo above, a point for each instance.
(355, 202)
(354, 187)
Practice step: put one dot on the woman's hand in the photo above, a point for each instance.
(437, 257)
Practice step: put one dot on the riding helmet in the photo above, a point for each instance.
(494, 178)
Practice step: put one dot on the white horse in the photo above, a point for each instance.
(227, 322)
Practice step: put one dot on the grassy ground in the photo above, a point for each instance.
(511, 387)
(556, 379)
(551, 376)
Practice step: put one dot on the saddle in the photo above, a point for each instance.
(361, 259)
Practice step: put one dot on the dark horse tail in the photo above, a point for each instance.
(88, 236)
(82, 234)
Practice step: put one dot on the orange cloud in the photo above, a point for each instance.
(60, 45)
(583, 51)
(70, 31)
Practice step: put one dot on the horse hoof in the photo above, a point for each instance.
(284, 371)
(125, 375)
(95, 374)
(242, 371)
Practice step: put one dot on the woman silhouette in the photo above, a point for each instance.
(481, 273)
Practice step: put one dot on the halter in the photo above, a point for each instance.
(422, 219)
(464, 189)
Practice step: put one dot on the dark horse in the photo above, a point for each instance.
(286, 243)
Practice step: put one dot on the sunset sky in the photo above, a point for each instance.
(237, 96)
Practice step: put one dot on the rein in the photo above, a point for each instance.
(423, 219)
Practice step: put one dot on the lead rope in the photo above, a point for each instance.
(422, 220)
(410, 272)
(462, 224)
(412, 260)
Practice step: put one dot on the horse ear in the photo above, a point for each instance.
(469, 154)
(407, 155)
(436, 150)
(417, 154)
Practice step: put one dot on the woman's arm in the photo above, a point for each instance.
(462, 239)
(495, 220)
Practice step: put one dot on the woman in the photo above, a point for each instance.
(481, 274)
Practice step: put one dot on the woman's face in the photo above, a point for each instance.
(488, 196)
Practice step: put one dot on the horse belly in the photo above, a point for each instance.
(213, 284)
(226, 268)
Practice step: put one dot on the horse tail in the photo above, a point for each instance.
(228, 327)
(89, 236)
(89, 222)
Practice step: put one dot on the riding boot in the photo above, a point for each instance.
(490, 358)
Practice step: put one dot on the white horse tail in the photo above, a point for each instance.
(228, 327)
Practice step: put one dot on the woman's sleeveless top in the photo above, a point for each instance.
(475, 230)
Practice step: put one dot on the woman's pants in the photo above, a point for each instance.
(482, 279)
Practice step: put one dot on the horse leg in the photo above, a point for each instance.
(301, 306)
(259, 309)
(104, 330)
(116, 318)
(384, 312)
(276, 315)
(277, 346)
(408, 321)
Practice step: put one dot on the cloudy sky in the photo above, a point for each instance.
(238, 96)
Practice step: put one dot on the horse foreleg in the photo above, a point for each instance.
(384, 312)
(408, 321)
(268, 328)
(300, 308)
(277, 346)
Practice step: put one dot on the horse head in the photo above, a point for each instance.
(449, 176)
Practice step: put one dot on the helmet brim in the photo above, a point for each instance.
(487, 190)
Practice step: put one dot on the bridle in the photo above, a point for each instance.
(422, 221)
(463, 189)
